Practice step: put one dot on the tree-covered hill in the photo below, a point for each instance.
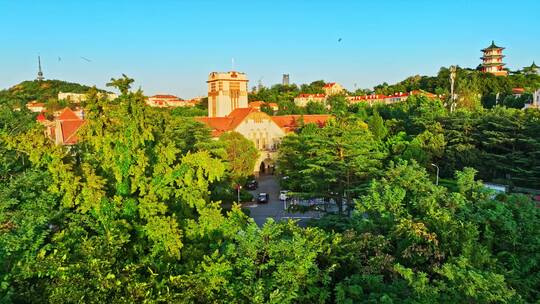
(43, 91)
(474, 86)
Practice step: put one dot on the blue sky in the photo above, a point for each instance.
(171, 46)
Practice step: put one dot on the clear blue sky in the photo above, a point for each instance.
(171, 46)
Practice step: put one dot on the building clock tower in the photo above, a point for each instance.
(227, 91)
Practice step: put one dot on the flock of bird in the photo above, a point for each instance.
(83, 58)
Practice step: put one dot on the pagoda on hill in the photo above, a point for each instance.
(533, 69)
(492, 60)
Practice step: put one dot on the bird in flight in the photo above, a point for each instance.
(86, 59)
(339, 40)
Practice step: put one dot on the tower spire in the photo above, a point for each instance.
(40, 73)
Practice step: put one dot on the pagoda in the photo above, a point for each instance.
(492, 60)
(533, 69)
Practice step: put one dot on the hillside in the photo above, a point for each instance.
(40, 90)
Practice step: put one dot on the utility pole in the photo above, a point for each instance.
(452, 95)
(437, 179)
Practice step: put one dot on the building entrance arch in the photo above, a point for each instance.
(266, 166)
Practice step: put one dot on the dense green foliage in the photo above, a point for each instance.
(284, 95)
(130, 214)
(189, 111)
(502, 144)
(241, 155)
(331, 162)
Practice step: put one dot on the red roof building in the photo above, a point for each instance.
(168, 101)
(333, 88)
(287, 123)
(263, 130)
(63, 129)
(396, 97)
(518, 91)
(35, 106)
(258, 104)
(303, 99)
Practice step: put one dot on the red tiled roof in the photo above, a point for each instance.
(288, 123)
(330, 84)
(518, 90)
(35, 104)
(419, 92)
(41, 117)
(217, 124)
(220, 125)
(69, 124)
(163, 96)
(69, 130)
(256, 104)
(238, 116)
(67, 114)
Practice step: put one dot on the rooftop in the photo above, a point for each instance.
(288, 123)
(492, 47)
(330, 84)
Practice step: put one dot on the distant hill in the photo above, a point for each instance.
(45, 90)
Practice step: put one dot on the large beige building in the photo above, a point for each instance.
(333, 88)
(263, 130)
(303, 99)
(228, 110)
(226, 92)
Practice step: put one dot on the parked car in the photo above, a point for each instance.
(252, 184)
(263, 198)
(283, 195)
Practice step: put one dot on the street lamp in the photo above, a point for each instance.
(238, 187)
(437, 180)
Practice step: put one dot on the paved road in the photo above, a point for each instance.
(274, 208)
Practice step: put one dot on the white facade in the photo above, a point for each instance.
(261, 130)
(226, 91)
(78, 97)
(35, 107)
(535, 102)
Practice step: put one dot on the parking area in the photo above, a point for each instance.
(274, 208)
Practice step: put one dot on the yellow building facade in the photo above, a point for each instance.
(227, 91)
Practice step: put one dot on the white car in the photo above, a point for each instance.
(283, 195)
